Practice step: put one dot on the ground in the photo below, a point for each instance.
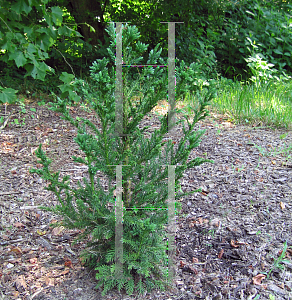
(230, 236)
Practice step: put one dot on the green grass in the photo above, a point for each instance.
(279, 260)
(267, 103)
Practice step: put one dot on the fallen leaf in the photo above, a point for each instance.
(33, 260)
(16, 250)
(18, 225)
(64, 272)
(57, 230)
(20, 284)
(195, 260)
(227, 124)
(257, 280)
(49, 281)
(39, 232)
(234, 244)
(49, 130)
(182, 264)
(68, 264)
(282, 205)
(220, 253)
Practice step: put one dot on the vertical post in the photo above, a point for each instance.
(171, 223)
(171, 168)
(119, 132)
(119, 225)
(119, 80)
(171, 75)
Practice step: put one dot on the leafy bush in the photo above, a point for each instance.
(263, 72)
(254, 27)
(145, 177)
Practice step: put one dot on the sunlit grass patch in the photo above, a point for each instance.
(268, 103)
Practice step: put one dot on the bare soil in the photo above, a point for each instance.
(229, 239)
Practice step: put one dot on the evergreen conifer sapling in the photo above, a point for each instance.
(143, 158)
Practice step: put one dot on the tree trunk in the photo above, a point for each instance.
(90, 12)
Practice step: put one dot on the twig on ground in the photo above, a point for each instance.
(5, 122)
(9, 193)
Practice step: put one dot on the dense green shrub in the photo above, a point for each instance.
(253, 27)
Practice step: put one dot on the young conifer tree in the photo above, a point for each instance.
(144, 158)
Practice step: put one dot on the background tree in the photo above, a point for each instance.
(38, 38)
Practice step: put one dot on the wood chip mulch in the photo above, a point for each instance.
(229, 239)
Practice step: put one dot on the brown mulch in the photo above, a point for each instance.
(229, 235)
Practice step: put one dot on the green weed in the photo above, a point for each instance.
(280, 259)
(285, 151)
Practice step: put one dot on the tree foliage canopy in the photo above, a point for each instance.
(40, 37)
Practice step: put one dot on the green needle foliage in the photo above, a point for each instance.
(90, 206)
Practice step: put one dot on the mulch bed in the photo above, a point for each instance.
(229, 235)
